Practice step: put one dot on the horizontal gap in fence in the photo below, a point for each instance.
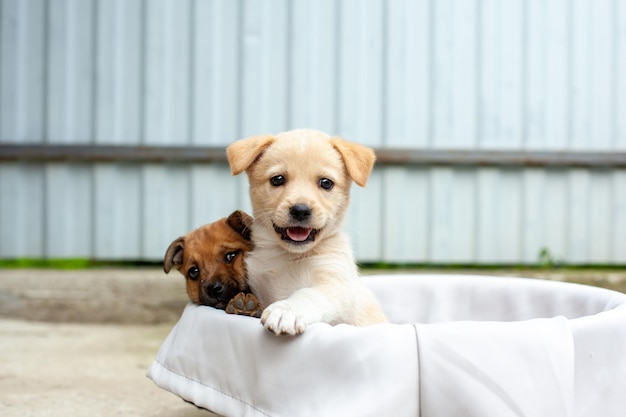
(408, 157)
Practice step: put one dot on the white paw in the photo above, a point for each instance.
(282, 317)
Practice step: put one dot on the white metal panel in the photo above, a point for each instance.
(213, 193)
(556, 75)
(547, 69)
(619, 109)
(579, 214)
(600, 219)
(592, 75)
(166, 72)
(407, 107)
(510, 217)
(405, 73)
(446, 74)
(533, 229)
(433, 215)
(166, 207)
(243, 193)
(406, 205)
(499, 216)
(454, 74)
(22, 211)
(117, 220)
(602, 78)
(215, 71)
(70, 63)
(547, 74)
(22, 80)
(69, 211)
(363, 219)
(554, 212)
(119, 67)
(534, 89)
(580, 75)
(360, 71)
(9, 68)
(313, 89)
(501, 74)
(264, 65)
(618, 224)
(452, 215)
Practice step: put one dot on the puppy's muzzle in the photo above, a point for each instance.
(299, 232)
(300, 212)
(217, 294)
(215, 290)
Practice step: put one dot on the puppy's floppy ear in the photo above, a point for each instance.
(244, 152)
(240, 221)
(359, 159)
(174, 254)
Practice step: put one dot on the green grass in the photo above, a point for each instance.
(82, 263)
(71, 263)
(46, 263)
(454, 266)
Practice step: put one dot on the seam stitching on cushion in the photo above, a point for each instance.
(419, 371)
(214, 389)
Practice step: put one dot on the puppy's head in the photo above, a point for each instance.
(211, 258)
(300, 182)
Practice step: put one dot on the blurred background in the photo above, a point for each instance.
(500, 125)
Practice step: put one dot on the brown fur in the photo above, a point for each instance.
(217, 250)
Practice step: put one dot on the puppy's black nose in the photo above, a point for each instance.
(215, 290)
(300, 212)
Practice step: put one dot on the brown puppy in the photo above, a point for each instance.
(302, 267)
(211, 258)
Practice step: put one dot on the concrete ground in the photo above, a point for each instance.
(70, 369)
(80, 342)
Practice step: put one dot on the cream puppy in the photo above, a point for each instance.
(302, 265)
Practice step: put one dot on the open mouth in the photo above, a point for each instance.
(296, 234)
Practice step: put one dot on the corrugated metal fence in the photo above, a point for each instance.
(434, 85)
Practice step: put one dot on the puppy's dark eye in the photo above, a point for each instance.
(193, 273)
(277, 180)
(326, 184)
(230, 256)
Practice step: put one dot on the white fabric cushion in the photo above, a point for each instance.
(456, 345)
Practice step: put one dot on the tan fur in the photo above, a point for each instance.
(243, 153)
(315, 280)
(207, 248)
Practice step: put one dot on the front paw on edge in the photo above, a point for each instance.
(281, 318)
(244, 304)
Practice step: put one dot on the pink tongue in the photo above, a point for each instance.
(298, 234)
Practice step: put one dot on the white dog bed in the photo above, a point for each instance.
(460, 346)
